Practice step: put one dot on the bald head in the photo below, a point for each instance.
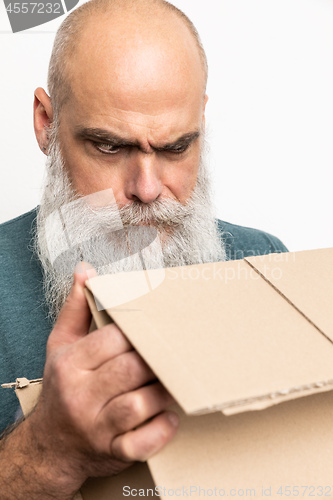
(141, 42)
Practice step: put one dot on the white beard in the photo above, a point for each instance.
(173, 234)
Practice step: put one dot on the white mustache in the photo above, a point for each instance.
(166, 212)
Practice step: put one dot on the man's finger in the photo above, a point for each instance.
(74, 318)
(99, 347)
(132, 409)
(142, 443)
(121, 374)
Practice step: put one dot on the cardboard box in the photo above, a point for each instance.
(227, 339)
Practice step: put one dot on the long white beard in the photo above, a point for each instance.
(70, 230)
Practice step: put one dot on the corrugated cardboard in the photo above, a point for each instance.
(232, 337)
(220, 335)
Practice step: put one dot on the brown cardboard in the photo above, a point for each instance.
(226, 342)
(234, 336)
(288, 444)
(306, 282)
(248, 338)
(27, 391)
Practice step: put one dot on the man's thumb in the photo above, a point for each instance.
(74, 318)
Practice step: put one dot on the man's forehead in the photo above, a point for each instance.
(110, 123)
(134, 116)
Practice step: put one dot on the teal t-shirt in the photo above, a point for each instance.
(24, 325)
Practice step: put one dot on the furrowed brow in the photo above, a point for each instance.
(183, 141)
(101, 135)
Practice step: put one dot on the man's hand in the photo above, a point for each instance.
(101, 408)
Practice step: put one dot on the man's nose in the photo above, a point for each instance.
(144, 182)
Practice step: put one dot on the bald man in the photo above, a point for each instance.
(123, 125)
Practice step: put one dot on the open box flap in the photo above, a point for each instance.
(220, 337)
(305, 279)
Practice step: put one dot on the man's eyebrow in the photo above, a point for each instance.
(103, 135)
(181, 142)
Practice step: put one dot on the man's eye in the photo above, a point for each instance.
(178, 150)
(106, 148)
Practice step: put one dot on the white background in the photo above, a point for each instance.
(269, 116)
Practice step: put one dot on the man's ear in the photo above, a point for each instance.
(43, 117)
(203, 112)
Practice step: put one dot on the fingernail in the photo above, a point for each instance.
(83, 267)
(174, 419)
